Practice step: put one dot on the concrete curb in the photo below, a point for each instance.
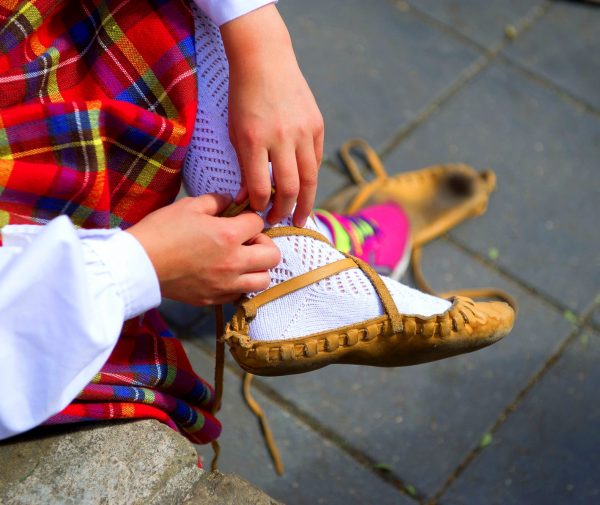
(117, 463)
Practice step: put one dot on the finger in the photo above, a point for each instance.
(212, 203)
(259, 258)
(307, 172)
(242, 194)
(245, 226)
(263, 239)
(285, 174)
(255, 281)
(318, 140)
(255, 165)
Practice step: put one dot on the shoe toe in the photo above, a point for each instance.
(492, 321)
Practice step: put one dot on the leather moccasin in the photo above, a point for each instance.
(390, 340)
(435, 198)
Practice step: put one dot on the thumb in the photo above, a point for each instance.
(213, 204)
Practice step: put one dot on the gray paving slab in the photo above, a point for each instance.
(564, 46)
(546, 154)
(371, 66)
(422, 421)
(483, 22)
(316, 471)
(548, 451)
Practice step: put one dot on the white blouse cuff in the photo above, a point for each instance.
(131, 271)
(222, 11)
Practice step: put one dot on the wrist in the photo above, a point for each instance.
(258, 33)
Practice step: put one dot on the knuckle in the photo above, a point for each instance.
(227, 236)
(262, 192)
(288, 190)
(303, 130)
(318, 125)
(320, 128)
(250, 135)
(280, 131)
(308, 178)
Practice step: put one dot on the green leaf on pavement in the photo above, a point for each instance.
(411, 490)
(493, 253)
(485, 440)
(570, 316)
(511, 32)
(383, 467)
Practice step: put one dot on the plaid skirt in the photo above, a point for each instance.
(97, 105)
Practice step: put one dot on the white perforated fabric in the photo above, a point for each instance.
(211, 166)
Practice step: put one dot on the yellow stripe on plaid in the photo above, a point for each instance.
(150, 169)
(52, 90)
(149, 396)
(47, 149)
(157, 164)
(171, 370)
(80, 215)
(6, 159)
(4, 218)
(30, 12)
(113, 30)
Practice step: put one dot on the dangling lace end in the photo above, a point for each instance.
(216, 452)
(219, 371)
(264, 424)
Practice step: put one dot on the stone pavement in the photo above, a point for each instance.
(513, 85)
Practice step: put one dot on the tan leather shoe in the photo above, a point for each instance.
(392, 339)
(435, 198)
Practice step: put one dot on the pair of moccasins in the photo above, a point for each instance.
(435, 199)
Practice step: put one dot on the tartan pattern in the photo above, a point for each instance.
(148, 375)
(97, 105)
(96, 102)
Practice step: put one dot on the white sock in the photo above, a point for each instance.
(211, 166)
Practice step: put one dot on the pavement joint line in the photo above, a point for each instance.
(564, 93)
(323, 432)
(555, 304)
(466, 76)
(524, 23)
(486, 57)
(512, 406)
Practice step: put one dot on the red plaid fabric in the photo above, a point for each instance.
(97, 104)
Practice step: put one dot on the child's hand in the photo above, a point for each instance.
(202, 259)
(273, 116)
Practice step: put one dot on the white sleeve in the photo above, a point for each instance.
(222, 11)
(64, 295)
